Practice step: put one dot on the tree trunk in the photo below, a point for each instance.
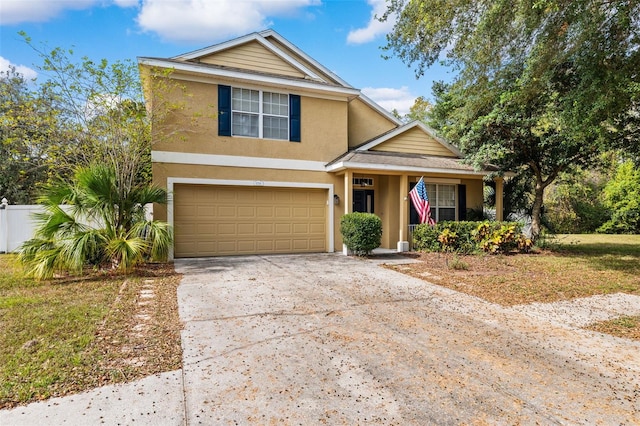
(536, 211)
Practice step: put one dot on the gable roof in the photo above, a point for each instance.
(309, 74)
(406, 128)
(254, 37)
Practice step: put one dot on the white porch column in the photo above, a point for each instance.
(348, 200)
(403, 235)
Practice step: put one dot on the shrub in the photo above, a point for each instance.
(622, 198)
(471, 237)
(361, 232)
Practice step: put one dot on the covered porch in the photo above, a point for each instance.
(379, 182)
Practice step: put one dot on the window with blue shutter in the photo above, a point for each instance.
(258, 114)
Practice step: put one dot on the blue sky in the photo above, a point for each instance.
(341, 34)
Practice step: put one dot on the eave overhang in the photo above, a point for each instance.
(189, 70)
(404, 163)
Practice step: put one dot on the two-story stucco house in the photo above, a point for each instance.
(270, 149)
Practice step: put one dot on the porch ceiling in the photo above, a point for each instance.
(403, 163)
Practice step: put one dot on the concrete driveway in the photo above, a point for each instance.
(327, 339)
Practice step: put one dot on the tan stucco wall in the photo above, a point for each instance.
(475, 196)
(194, 128)
(366, 123)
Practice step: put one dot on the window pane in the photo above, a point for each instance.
(446, 214)
(275, 128)
(447, 196)
(275, 104)
(245, 100)
(431, 193)
(244, 124)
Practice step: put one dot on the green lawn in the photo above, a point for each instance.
(599, 244)
(46, 331)
(71, 334)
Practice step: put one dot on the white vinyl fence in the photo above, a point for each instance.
(17, 224)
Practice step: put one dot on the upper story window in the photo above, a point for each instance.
(258, 114)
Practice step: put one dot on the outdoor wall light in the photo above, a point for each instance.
(336, 199)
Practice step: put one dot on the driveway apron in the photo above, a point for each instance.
(329, 339)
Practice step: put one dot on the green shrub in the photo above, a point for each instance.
(471, 237)
(622, 198)
(361, 232)
(425, 238)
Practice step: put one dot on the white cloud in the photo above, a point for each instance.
(374, 28)
(17, 11)
(204, 21)
(27, 73)
(389, 98)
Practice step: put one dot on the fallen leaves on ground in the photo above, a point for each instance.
(542, 277)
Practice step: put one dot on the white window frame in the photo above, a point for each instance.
(434, 200)
(261, 114)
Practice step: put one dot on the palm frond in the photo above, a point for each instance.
(40, 258)
(126, 252)
(81, 248)
(158, 235)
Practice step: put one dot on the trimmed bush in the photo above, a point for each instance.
(361, 232)
(471, 237)
(455, 237)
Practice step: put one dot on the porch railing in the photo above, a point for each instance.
(410, 236)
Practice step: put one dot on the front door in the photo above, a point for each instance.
(363, 200)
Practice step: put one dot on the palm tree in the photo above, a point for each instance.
(92, 221)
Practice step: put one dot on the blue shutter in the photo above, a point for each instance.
(294, 118)
(224, 110)
(462, 202)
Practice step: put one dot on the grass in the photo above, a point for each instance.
(66, 335)
(571, 266)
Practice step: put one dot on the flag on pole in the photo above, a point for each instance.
(420, 201)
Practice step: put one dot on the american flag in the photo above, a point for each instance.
(420, 201)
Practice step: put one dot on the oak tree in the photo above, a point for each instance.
(542, 86)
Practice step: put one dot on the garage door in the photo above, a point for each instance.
(228, 220)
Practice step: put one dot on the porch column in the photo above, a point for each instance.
(348, 200)
(499, 198)
(403, 240)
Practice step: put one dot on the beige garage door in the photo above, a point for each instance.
(227, 220)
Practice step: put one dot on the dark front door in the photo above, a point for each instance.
(363, 200)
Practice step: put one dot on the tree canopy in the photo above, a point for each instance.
(31, 137)
(542, 85)
(102, 105)
(79, 112)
